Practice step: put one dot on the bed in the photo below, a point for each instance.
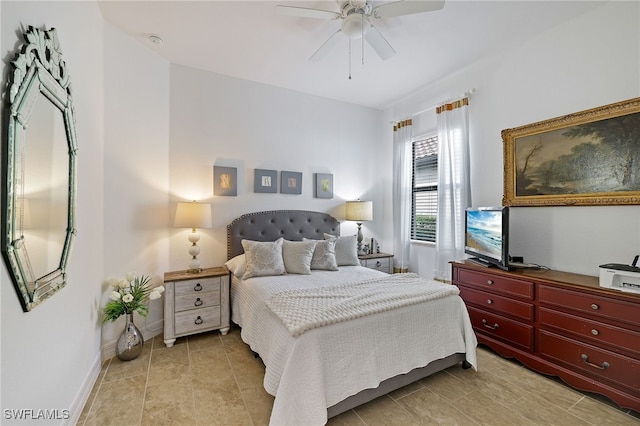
(320, 370)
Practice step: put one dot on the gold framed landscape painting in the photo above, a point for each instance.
(587, 158)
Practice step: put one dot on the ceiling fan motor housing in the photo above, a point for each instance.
(355, 23)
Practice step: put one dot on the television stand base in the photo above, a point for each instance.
(479, 262)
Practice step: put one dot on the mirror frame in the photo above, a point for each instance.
(37, 70)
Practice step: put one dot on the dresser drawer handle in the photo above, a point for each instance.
(198, 320)
(198, 302)
(604, 365)
(490, 282)
(492, 327)
(595, 332)
(378, 264)
(595, 307)
(197, 287)
(489, 301)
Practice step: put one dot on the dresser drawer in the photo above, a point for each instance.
(496, 283)
(197, 286)
(499, 304)
(198, 300)
(499, 327)
(596, 306)
(196, 320)
(597, 332)
(593, 361)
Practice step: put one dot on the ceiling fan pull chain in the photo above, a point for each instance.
(349, 59)
(362, 38)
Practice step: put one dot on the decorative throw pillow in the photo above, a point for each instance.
(297, 256)
(324, 255)
(346, 249)
(237, 265)
(263, 258)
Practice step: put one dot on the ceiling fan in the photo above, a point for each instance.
(356, 17)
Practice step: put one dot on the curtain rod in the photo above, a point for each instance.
(465, 94)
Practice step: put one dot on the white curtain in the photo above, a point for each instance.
(454, 189)
(402, 172)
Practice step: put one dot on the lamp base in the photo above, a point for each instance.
(360, 237)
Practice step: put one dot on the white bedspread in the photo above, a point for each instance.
(302, 309)
(317, 369)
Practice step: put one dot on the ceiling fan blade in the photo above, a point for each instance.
(326, 47)
(379, 43)
(306, 12)
(406, 7)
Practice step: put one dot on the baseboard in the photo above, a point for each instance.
(84, 392)
(152, 330)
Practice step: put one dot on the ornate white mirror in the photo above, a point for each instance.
(39, 169)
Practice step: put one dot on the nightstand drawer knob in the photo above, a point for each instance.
(490, 282)
(198, 302)
(595, 332)
(595, 307)
(198, 287)
(378, 264)
(489, 301)
(198, 320)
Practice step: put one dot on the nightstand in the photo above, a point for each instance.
(380, 261)
(195, 302)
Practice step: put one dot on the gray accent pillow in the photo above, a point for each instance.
(297, 256)
(346, 249)
(324, 255)
(263, 258)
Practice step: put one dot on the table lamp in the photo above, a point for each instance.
(193, 215)
(359, 211)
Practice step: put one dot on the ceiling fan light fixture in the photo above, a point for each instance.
(356, 25)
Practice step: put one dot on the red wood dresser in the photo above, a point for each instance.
(558, 323)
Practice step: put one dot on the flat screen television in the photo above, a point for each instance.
(486, 235)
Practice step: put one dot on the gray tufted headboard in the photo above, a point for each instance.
(291, 225)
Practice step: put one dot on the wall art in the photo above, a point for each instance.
(587, 158)
(290, 182)
(225, 181)
(265, 181)
(323, 185)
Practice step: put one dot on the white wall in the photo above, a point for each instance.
(218, 120)
(136, 172)
(587, 62)
(50, 356)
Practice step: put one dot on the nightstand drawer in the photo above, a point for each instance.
(382, 264)
(195, 301)
(197, 286)
(199, 319)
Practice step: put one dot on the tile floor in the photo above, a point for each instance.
(209, 379)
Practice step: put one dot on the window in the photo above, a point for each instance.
(424, 204)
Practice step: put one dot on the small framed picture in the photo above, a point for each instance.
(265, 181)
(225, 181)
(290, 182)
(324, 185)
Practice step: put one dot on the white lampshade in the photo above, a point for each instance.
(193, 215)
(359, 210)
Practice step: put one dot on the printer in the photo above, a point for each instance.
(621, 277)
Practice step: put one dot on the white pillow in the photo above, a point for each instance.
(297, 256)
(346, 249)
(324, 255)
(237, 265)
(263, 258)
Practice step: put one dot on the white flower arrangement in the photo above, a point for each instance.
(130, 295)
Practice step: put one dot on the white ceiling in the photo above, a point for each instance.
(248, 40)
